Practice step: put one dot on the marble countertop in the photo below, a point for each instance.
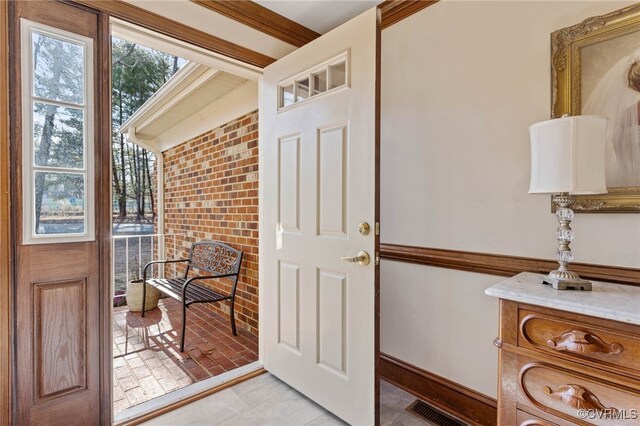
(610, 301)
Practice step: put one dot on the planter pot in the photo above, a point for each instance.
(134, 296)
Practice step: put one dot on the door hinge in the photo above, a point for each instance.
(377, 228)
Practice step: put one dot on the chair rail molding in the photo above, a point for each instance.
(502, 265)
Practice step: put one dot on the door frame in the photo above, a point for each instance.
(6, 255)
(105, 11)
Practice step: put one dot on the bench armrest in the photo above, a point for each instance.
(144, 273)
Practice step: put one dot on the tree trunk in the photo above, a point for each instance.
(144, 180)
(41, 157)
(44, 148)
(122, 197)
(150, 183)
(136, 162)
(116, 180)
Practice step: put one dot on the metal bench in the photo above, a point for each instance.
(211, 256)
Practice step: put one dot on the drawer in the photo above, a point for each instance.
(580, 340)
(564, 393)
(525, 419)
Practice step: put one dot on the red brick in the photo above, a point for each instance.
(211, 192)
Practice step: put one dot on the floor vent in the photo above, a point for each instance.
(427, 412)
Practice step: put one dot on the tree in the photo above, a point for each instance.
(58, 131)
(137, 73)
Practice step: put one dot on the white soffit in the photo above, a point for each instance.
(187, 92)
(208, 21)
(319, 15)
(240, 101)
(144, 37)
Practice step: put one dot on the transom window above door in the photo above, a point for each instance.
(57, 135)
(326, 77)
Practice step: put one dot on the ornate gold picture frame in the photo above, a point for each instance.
(593, 67)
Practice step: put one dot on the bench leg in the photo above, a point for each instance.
(233, 318)
(184, 326)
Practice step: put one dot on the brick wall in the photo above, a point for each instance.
(211, 192)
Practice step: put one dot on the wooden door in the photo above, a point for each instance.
(319, 168)
(55, 140)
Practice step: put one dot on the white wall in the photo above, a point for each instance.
(461, 83)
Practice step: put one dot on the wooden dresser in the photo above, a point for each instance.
(567, 357)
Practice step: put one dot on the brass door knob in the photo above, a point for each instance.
(362, 258)
(364, 228)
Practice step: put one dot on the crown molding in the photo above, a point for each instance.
(393, 11)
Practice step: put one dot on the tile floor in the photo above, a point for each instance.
(147, 361)
(265, 400)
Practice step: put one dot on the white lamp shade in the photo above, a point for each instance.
(567, 155)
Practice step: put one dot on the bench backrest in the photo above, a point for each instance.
(215, 257)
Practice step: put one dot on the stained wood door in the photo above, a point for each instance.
(319, 170)
(55, 131)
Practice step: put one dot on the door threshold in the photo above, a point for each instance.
(165, 403)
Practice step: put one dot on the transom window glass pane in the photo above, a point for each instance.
(319, 82)
(58, 69)
(302, 92)
(286, 96)
(59, 203)
(338, 74)
(58, 136)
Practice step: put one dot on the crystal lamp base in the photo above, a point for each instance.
(562, 278)
(566, 280)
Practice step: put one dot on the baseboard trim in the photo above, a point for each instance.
(459, 401)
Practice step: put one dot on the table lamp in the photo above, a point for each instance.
(567, 159)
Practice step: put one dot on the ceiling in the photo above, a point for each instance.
(210, 22)
(319, 15)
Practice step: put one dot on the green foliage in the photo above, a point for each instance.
(58, 131)
(137, 73)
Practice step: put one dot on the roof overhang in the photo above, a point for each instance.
(196, 99)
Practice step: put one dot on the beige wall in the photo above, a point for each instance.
(461, 83)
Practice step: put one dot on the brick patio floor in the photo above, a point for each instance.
(147, 362)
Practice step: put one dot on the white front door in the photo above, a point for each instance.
(318, 164)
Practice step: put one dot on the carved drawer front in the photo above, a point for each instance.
(564, 394)
(526, 419)
(570, 339)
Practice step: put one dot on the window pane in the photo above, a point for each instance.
(59, 203)
(58, 69)
(57, 136)
(320, 82)
(286, 96)
(338, 74)
(302, 90)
